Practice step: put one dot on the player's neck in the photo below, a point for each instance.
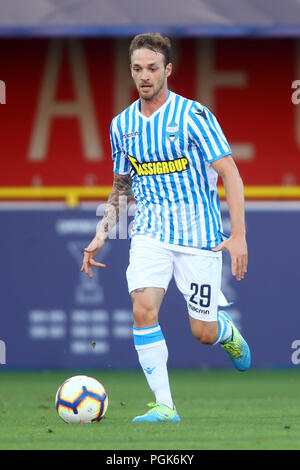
(148, 107)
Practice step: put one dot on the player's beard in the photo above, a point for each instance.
(156, 89)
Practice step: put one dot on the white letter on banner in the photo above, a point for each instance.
(297, 108)
(208, 79)
(81, 108)
(2, 92)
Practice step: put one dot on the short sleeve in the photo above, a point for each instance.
(120, 160)
(207, 133)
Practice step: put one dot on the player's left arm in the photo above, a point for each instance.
(234, 189)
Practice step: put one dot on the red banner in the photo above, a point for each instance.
(60, 96)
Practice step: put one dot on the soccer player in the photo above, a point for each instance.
(168, 151)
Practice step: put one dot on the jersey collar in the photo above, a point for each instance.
(161, 108)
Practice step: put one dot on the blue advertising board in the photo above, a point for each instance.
(54, 316)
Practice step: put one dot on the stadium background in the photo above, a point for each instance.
(66, 75)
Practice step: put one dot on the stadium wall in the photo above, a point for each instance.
(53, 316)
(62, 94)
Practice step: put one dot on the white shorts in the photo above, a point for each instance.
(197, 276)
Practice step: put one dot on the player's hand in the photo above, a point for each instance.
(89, 254)
(237, 247)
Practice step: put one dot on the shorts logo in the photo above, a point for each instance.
(159, 168)
(172, 131)
(201, 311)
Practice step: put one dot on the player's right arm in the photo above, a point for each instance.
(117, 203)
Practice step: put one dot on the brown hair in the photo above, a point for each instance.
(153, 41)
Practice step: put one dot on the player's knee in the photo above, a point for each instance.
(144, 315)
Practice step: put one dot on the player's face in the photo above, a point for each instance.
(149, 73)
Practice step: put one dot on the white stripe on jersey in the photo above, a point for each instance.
(169, 155)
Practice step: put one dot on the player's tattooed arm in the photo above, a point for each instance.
(117, 203)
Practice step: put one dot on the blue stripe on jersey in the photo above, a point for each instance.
(132, 143)
(209, 203)
(164, 126)
(132, 151)
(123, 165)
(163, 215)
(178, 221)
(203, 197)
(143, 188)
(127, 120)
(185, 198)
(191, 185)
(118, 161)
(149, 144)
(126, 125)
(144, 184)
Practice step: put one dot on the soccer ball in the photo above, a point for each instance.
(81, 399)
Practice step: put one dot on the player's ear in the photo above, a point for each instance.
(169, 68)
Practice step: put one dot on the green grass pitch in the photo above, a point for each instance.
(219, 409)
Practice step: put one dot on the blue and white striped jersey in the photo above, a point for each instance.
(169, 156)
